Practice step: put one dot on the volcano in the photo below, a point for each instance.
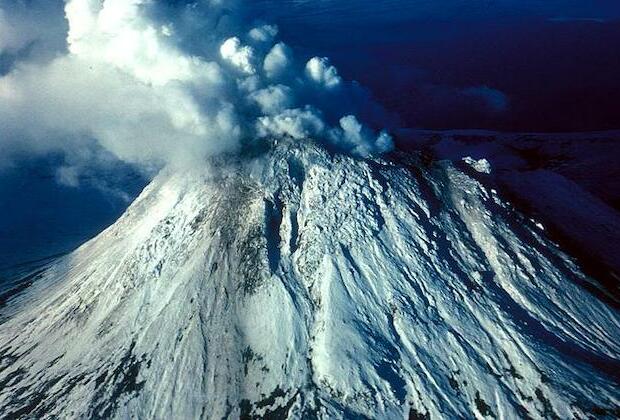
(293, 281)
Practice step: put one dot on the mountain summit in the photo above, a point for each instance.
(298, 282)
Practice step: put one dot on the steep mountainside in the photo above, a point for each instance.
(300, 282)
(568, 182)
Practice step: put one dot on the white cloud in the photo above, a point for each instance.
(277, 61)
(273, 99)
(350, 136)
(265, 33)
(123, 84)
(240, 56)
(359, 140)
(128, 85)
(295, 123)
(116, 32)
(135, 121)
(320, 71)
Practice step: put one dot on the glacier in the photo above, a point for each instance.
(291, 281)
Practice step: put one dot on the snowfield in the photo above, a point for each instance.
(299, 283)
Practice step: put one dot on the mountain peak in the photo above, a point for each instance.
(297, 281)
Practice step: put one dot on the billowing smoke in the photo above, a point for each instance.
(169, 84)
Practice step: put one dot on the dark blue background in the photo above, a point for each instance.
(557, 62)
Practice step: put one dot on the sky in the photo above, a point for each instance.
(505, 65)
(446, 64)
(431, 10)
(155, 83)
(87, 86)
(171, 82)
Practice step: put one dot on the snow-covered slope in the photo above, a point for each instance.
(298, 282)
(569, 182)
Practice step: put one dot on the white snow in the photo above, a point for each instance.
(480, 165)
(301, 282)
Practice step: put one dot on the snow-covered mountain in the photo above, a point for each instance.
(299, 283)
